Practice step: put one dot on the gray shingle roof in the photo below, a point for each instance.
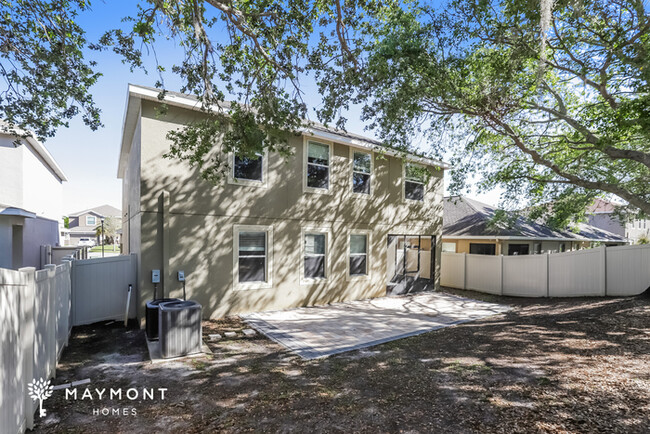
(102, 210)
(467, 217)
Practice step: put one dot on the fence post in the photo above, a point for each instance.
(27, 340)
(548, 275)
(68, 289)
(603, 265)
(501, 278)
(464, 270)
(51, 316)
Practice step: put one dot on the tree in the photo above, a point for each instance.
(110, 230)
(255, 52)
(47, 80)
(558, 121)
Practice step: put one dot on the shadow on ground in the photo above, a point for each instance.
(577, 365)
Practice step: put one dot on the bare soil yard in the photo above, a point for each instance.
(575, 365)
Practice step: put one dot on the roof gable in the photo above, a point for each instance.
(100, 211)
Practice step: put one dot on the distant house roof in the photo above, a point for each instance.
(601, 206)
(468, 218)
(101, 211)
(137, 93)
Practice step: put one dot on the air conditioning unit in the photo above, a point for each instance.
(151, 316)
(179, 328)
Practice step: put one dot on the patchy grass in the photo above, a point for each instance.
(559, 365)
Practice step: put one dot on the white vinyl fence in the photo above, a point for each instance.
(37, 312)
(101, 287)
(604, 271)
(34, 325)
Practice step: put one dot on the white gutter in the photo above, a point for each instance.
(192, 104)
(363, 144)
(521, 238)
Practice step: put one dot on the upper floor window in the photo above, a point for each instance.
(249, 168)
(361, 172)
(415, 177)
(250, 171)
(91, 220)
(318, 158)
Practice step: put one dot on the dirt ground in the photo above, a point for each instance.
(559, 365)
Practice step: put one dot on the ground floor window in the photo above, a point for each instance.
(517, 249)
(449, 247)
(358, 254)
(252, 261)
(482, 249)
(315, 255)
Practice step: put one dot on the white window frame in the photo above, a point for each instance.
(372, 171)
(305, 152)
(269, 257)
(248, 182)
(94, 218)
(367, 276)
(425, 184)
(328, 248)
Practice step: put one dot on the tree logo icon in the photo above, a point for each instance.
(40, 390)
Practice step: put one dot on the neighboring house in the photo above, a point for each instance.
(31, 189)
(602, 215)
(469, 228)
(83, 224)
(342, 219)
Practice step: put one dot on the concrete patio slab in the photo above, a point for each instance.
(314, 332)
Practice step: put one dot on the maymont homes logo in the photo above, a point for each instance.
(40, 390)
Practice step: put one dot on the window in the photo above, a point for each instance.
(249, 171)
(248, 168)
(251, 258)
(415, 176)
(517, 249)
(358, 261)
(91, 220)
(449, 247)
(482, 249)
(314, 260)
(361, 172)
(318, 166)
(562, 247)
(537, 248)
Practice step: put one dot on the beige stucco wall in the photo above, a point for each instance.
(197, 219)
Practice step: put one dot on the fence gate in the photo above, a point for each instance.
(100, 287)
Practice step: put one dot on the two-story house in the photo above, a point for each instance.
(31, 191)
(83, 224)
(602, 214)
(343, 218)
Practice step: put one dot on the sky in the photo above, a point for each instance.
(89, 158)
